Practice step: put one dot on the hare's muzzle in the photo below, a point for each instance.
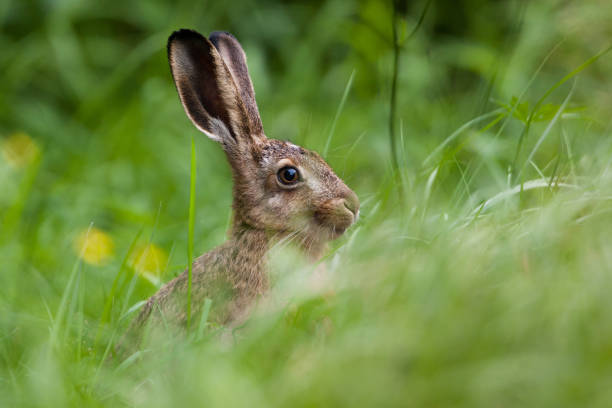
(337, 214)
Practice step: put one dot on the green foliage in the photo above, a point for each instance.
(545, 113)
(489, 286)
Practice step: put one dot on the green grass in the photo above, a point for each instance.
(192, 189)
(488, 286)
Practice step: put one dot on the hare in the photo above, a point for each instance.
(280, 190)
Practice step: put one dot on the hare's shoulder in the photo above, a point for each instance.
(208, 273)
(207, 278)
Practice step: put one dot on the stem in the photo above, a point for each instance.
(397, 48)
(393, 106)
(191, 227)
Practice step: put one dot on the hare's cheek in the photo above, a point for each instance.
(274, 204)
(278, 207)
(270, 184)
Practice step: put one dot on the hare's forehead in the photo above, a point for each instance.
(278, 150)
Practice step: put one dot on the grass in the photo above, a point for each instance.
(192, 187)
(488, 286)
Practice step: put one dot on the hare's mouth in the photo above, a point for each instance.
(337, 232)
(329, 231)
(335, 223)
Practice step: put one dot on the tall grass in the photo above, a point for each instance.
(192, 187)
(489, 286)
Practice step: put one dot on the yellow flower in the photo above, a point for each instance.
(149, 261)
(94, 246)
(19, 150)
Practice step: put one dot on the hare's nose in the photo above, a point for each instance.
(351, 202)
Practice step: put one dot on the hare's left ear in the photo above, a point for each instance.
(235, 59)
(207, 89)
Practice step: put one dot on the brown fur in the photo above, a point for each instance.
(215, 89)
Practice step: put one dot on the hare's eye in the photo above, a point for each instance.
(288, 175)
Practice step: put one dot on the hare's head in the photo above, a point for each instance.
(278, 186)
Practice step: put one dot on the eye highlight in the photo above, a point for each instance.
(288, 175)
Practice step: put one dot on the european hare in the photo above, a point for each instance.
(280, 189)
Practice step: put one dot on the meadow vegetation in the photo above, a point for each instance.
(479, 273)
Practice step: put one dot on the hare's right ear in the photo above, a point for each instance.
(207, 91)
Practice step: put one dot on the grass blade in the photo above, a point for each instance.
(347, 88)
(106, 312)
(64, 302)
(540, 101)
(192, 185)
(547, 130)
(457, 132)
(204, 318)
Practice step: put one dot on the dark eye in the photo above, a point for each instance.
(288, 175)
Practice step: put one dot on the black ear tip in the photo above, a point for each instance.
(185, 34)
(217, 36)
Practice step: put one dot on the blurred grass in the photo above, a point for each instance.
(485, 289)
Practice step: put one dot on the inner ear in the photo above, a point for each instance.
(235, 59)
(206, 88)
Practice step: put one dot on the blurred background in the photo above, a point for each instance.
(95, 170)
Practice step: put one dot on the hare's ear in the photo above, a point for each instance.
(206, 88)
(235, 60)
